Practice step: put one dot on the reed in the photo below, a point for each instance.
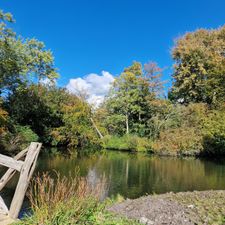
(63, 199)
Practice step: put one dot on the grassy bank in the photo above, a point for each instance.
(176, 142)
(127, 143)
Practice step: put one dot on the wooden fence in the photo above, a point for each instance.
(26, 169)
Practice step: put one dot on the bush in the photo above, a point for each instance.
(182, 132)
(179, 141)
(26, 134)
(214, 133)
(20, 138)
(127, 142)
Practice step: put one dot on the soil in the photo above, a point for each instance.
(184, 208)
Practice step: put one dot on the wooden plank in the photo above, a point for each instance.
(10, 172)
(6, 220)
(3, 208)
(25, 175)
(10, 162)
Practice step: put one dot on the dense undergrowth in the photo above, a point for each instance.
(193, 130)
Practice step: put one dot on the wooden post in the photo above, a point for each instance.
(25, 175)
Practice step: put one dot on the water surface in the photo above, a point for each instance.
(134, 175)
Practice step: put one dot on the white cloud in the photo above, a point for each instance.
(94, 85)
(47, 82)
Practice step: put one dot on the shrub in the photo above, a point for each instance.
(214, 133)
(20, 138)
(26, 134)
(179, 141)
(182, 132)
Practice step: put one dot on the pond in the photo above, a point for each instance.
(134, 175)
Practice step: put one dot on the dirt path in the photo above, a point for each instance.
(184, 208)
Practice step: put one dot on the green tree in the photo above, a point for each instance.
(199, 70)
(39, 107)
(21, 59)
(125, 94)
(129, 103)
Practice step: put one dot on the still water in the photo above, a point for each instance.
(134, 175)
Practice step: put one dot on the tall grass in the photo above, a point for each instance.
(47, 191)
(60, 200)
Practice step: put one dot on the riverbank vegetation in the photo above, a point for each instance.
(138, 114)
(69, 200)
(74, 200)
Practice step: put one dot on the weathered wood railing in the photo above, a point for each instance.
(26, 169)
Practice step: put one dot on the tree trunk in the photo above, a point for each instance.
(98, 131)
(127, 124)
(139, 116)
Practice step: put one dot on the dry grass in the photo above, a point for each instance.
(57, 200)
(63, 200)
(46, 190)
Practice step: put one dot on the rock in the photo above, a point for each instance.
(143, 220)
(146, 221)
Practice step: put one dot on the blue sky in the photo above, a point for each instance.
(91, 36)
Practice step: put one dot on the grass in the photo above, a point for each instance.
(68, 201)
(127, 143)
(207, 206)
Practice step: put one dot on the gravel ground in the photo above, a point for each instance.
(184, 208)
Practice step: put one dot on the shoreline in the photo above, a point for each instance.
(182, 208)
(167, 154)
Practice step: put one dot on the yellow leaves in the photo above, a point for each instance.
(3, 120)
(77, 129)
(135, 68)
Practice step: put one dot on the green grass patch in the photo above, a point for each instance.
(127, 143)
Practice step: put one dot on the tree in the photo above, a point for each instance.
(77, 129)
(199, 70)
(41, 112)
(21, 59)
(129, 103)
(125, 95)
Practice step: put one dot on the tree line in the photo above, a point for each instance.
(137, 114)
